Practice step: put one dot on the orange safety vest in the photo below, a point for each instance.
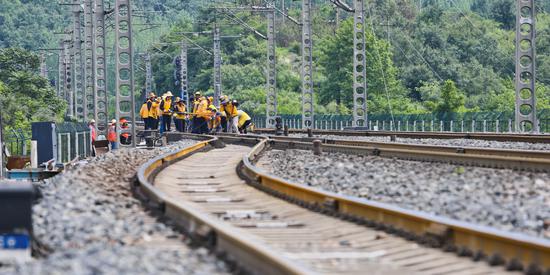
(111, 135)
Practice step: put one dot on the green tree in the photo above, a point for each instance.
(25, 96)
(452, 100)
(336, 60)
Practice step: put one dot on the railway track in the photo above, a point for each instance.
(267, 235)
(422, 147)
(531, 138)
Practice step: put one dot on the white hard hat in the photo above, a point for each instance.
(113, 121)
(92, 121)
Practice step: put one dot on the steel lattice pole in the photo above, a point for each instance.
(359, 66)
(61, 71)
(102, 101)
(184, 76)
(525, 111)
(271, 72)
(90, 57)
(217, 66)
(307, 66)
(43, 66)
(148, 75)
(79, 64)
(125, 101)
(69, 78)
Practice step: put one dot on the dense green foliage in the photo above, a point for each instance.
(442, 56)
(24, 95)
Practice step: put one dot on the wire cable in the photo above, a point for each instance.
(379, 57)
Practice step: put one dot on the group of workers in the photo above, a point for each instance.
(202, 118)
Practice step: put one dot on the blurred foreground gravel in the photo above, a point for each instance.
(92, 224)
(505, 199)
(446, 142)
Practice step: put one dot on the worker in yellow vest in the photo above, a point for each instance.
(149, 112)
(244, 121)
(230, 110)
(179, 115)
(167, 111)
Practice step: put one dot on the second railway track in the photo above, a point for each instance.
(265, 234)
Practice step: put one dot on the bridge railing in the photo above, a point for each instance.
(491, 122)
(17, 142)
(73, 139)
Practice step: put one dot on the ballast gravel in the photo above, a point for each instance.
(509, 200)
(445, 142)
(92, 224)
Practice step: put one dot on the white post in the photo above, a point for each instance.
(76, 145)
(484, 126)
(497, 122)
(423, 125)
(441, 126)
(34, 154)
(59, 144)
(473, 126)
(414, 126)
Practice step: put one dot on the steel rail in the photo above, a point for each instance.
(531, 138)
(516, 251)
(425, 147)
(246, 251)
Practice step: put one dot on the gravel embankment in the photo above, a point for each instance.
(446, 142)
(505, 199)
(93, 225)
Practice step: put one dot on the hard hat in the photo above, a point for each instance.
(178, 99)
(210, 98)
(123, 120)
(197, 93)
(113, 121)
(92, 121)
(169, 93)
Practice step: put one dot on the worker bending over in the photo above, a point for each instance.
(244, 121)
(202, 117)
(230, 110)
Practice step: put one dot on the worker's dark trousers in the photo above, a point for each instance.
(180, 124)
(223, 123)
(167, 120)
(155, 123)
(149, 123)
(242, 129)
(204, 126)
(196, 125)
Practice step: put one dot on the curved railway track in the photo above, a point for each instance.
(267, 235)
(531, 138)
